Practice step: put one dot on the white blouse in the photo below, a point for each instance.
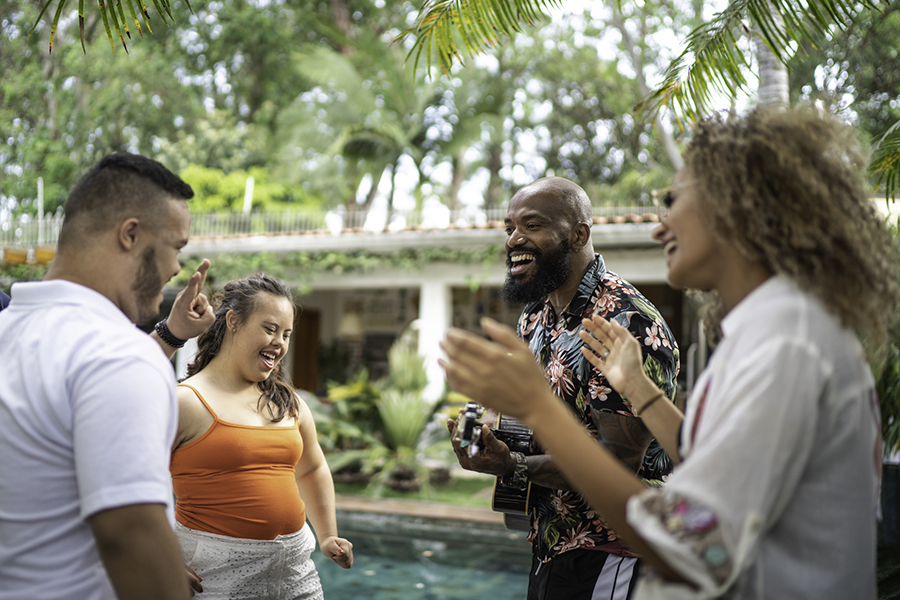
(778, 491)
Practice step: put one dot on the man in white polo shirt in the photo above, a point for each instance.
(87, 400)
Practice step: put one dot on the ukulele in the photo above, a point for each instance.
(512, 500)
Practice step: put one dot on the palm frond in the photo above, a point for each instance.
(55, 22)
(122, 18)
(330, 69)
(712, 61)
(133, 13)
(41, 14)
(105, 24)
(146, 14)
(113, 15)
(381, 142)
(885, 163)
(80, 24)
(115, 20)
(477, 24)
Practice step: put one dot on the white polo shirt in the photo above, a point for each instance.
(87, 420)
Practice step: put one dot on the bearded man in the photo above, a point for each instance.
(88, 413)
(554, 271)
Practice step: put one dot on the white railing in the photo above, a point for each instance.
(30, 232)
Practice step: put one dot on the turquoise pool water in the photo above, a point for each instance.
(398, 558)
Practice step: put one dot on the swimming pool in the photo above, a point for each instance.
(413, 558)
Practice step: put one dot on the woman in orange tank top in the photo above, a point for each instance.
(246, 467)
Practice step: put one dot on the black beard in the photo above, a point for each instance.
(146, 287)
(551, 272)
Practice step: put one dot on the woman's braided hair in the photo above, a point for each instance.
(277, 393)
(788, 188)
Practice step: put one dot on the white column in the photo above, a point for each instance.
(183, 357)
(435, 314)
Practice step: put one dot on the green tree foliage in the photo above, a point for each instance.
(887, 383)
(306, 266)
(592, 135)
(318, 97)
(857, 73)
(324, 104)
(713, 63)
(217, 191)
(374, 109)
(60, 112)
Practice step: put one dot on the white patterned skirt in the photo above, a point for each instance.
(241, 569)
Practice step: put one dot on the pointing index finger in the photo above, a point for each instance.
(203, 269)
(198, 279)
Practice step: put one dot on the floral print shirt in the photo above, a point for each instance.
(562, 520)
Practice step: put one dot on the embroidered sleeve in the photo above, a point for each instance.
(686, 533)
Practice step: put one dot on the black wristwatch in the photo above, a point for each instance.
(162, 330)
(519, 476)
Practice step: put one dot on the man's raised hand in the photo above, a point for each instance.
(191, 312)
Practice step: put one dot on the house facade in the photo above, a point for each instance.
(349, 320)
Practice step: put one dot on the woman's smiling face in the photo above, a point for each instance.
(262, 340)
(694, 255)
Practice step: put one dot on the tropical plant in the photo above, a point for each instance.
(888, 382)
(888, 388)
(712, 65)
(373, 108)
(352, 418)
(383, 429)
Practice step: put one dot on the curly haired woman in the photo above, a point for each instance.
(247, 468)
(775, 495)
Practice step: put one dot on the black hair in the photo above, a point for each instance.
(121, 185)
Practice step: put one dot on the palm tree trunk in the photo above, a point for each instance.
(495, 183)
(459, 176)
(340, 11)
(390, 202)
(637, 63)
(773, 74)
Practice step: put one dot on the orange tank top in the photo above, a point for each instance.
(238, 480)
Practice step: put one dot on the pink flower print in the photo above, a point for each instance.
(653, 339)
(556, 372)
(662, 335)
(545, 318)
(529, 324)
(563, 503)
(598, 392)
(604, 305)
(575, 538)
(599, 523)
(612, 282)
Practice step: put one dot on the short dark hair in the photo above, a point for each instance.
(119, 186)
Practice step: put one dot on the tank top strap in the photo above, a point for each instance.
(203, 400)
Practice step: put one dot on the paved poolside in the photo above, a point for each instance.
(432, 510)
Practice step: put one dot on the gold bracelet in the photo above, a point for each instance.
(649, 403)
